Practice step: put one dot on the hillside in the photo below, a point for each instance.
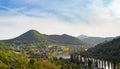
(107, 50)
(66, 39)
(34, 38)
(94, 40)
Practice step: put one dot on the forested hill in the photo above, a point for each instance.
(31, 37)
(107, 50)
(95, 40)
(66, 39)
(34, 38)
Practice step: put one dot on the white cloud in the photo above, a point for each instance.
(21, 24)
(115, 8)
(100, 20)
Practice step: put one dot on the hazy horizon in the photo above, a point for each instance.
(99, 18)
(57, 34)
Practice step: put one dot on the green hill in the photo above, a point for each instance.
(66, 39)
(34, 38)
(107, 50)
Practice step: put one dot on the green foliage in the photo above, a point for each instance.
(3, 66)
(65, 64)
(9, 59)
(32, 61)
(107, 50)
(13, 60)
(4, 56)
(29, 38)
(19, 61)
(66, 39)
(45, 64)
(4, 46)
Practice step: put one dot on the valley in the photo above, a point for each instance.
(33, 50)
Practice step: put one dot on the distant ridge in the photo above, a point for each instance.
(82, 36)
(94, 40)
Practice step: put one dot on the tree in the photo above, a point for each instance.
(45, 64)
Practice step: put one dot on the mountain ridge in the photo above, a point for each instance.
(66, 39)
(33, 37)
(95, 40)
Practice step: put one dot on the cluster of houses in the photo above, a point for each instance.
(43, 52)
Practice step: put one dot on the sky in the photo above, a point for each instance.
(74, 17)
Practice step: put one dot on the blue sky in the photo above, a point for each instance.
(73, 17)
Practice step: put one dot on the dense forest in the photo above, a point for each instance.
(108, 50)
